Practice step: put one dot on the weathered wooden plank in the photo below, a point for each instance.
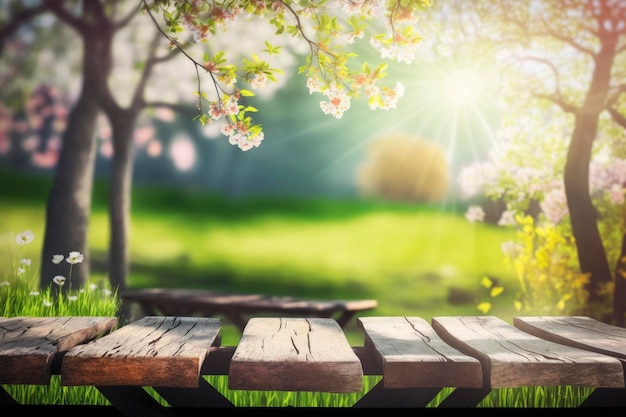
(28, 345)
(585, 333)
(578, 331)
(294, 354)
(513, 358)
(180, 301)
(154, 351)
(413, 355)
(252, 303)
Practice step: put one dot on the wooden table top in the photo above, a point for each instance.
(245, 302)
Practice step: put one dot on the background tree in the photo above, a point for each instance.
(98, 22)
(69, 202)
(146, 54)
(328, 29)
(406, 168)
(567, 53)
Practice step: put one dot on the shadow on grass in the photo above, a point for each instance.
(224, 278)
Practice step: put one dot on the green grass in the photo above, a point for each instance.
(525, 397)
(410, 258)
(20, 297)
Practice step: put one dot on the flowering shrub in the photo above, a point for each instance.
(527, 167)
(545, 262)
(326, 28)
(402, 167)
(18, 295)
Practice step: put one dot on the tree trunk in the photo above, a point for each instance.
(123, 125)
(591, 253)
(619, 295)
(123, 122)
(69, 202)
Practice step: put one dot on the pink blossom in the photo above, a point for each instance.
(388, 96)
(143, 134)
(554, 205)
(5, 144)
(106, 149)
(507, 218)
(511, 249)
(154, 148)
(314, 85)
(475, 214)
(475, 177)
(258, 81)
(616, 194)
(338, 102)
(46, 159)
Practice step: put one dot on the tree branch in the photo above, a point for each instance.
(179, 108)
(615, 96)
(557, 96)
(558, 100)
(570, 41)
(151, 61)
(128, 18)
(17, 20)
(189, 57)
(618, 118)
(57, 8)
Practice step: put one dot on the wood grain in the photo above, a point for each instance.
(28, 345)
(294, 354)
(513, 358)
(154, 351)
(413, 355)
(578, 331)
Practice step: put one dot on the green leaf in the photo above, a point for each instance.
(246, 93)
(271, 49)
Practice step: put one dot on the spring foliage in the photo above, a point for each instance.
(328, 29)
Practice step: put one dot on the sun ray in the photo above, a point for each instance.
(463, 87)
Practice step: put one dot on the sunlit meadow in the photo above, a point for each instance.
(410, 259)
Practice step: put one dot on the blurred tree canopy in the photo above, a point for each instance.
(116, 34)
(556, 56)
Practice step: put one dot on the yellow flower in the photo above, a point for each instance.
(484, 307)
(486, 282)
(495, 291)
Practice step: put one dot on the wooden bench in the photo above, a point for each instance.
(509, 358)
(30, 346)
(584, 333)
(294, 354)
(236, 307)
(416, 360)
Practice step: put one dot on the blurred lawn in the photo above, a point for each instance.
(422, 261)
